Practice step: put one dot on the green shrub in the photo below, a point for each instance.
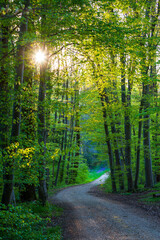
(83, 173)
(44, 211)
(18, 223)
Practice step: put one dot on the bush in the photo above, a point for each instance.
(20, 223)
(83, 173)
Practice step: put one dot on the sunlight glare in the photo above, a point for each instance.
(40, 56)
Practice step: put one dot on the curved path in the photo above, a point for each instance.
(88, 217)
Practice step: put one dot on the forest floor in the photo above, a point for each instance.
(89, 214)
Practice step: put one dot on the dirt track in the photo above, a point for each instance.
(87, 217)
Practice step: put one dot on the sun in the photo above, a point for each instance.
(40, 56)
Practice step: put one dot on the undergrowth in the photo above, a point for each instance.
(147, 193)
(29, 222)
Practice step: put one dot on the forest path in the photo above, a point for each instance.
(87, 217)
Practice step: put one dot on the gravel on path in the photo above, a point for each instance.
(89, 217)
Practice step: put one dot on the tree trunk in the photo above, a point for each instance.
(152, 16)
(138, 145)
(118, 158)
(127, 125)
(5, 110)
(77, 137)
(28, 125)
(111, 160)
(60, 158)
(65, 121)
(42, 134)
(64, 149)
(58, 168)
(70, 142)
(146, 137)
(8, 186)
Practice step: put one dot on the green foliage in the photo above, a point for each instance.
(44, 211)
(20, 223)
(148, 198)
(29, 221)
(26, 166)
(83, 173)
(107, 186)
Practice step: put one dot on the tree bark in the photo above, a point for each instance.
(68, 179)
(126, 102)
(65, 122)
(146, 137)
(9, 177)
(5, 110)
(138, 145)
(118, 158)
(111, 159)
(42, 134)
(27, 191)
(78, 136)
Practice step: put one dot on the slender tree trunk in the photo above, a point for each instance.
(111, 159)
(118, 158)
(64, 149)
(59, 162)
(70, 141)
(146, 137)
(49, 102)
(61, 140)
(157, 161)
(152, 15)
(115, 129)
(42, 134)
(156, 133)
(5, 110)
(126, 102)
(78, 136)
(61, 153)
(152, 51)
(8, 186)
(27, 191)
(65, 121)
(4, 88)
(138, 145)
(54, 140)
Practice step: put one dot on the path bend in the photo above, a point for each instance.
(87, 217)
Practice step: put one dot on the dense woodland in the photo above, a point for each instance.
(93, 100)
